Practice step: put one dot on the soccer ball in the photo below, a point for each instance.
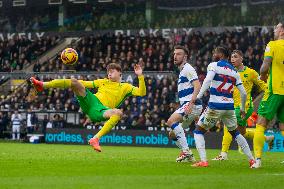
(69, 56)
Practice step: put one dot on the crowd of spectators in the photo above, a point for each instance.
(26, 23)
(76, 18)
(133, 16)
(139, 112)
(154, 53)
(218, 16)
(17, 53)
(28, 19)
(94, 21)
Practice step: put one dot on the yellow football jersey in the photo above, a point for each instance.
(275, 82)
(249, 77)
(112, 94)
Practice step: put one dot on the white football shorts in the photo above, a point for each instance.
(209, 118)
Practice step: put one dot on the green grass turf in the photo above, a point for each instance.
(76, 166)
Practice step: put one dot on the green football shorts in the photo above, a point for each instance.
(92, 106)
(271, 105)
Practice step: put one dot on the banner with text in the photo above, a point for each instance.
(144, 138)
(128, 138)
(164, 32)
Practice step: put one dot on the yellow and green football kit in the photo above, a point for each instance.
(249, 78)
(110, 95)
(273, 100)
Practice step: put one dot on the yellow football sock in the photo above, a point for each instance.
(227, 139)
(249, 134)
(282, 133)
(258, 140)
(108, 126)
(57, 83)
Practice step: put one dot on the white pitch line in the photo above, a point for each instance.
(275, 174)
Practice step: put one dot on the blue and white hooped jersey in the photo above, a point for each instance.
(222, 85)
(185, 88)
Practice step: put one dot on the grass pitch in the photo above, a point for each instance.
(76, 166)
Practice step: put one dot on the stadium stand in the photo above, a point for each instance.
(96, 52)
(153, 52)
(132, 16)
(17, 53)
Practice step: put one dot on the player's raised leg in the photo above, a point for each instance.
(62, 84)
(56, 83)
(97, 113)
(88, 102)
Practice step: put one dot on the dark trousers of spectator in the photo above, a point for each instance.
(1, 132)
(30, 129)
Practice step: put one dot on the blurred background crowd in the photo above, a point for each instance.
(131, 15)
(96, 51)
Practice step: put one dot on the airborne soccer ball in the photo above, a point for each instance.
(69, 56)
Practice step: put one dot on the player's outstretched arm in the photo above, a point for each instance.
(243, 96)
(141, 90)
(261, 85)
(206, 83)
(243, 93)
(196, 86)
(243, 99)
(265, 69)
(258, 82)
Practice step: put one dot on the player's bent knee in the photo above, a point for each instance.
(234, 133)
(76, 84)
(172, 135)
(174, 118)
(118, 113)
(199, 129)
(169, 122)
(242, 130)
(77, 87)
(74, 81)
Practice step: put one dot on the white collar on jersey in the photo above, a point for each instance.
(182, 66)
